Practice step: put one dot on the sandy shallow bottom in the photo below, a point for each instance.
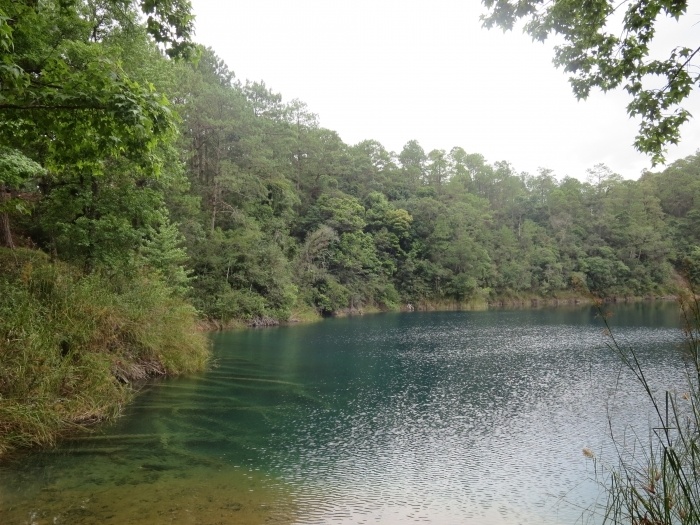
(147, 495)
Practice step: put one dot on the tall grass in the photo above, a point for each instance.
(656, 480)
(72, 345)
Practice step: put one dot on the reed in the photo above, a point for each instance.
(656, 480)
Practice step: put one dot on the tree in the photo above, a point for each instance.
(66, 102)
(413, 161)
(63, 91)
(15, 170)
(597, 53)
(437, 169)
(372, 166)
(341, 212)
(86, 138)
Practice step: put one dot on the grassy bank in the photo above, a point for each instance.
(510, 301)
(71, 345)
(303, 313)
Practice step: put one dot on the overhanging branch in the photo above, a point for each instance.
(47, 107)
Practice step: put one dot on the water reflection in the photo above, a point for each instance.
(452, 417)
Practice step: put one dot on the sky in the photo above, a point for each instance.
(400, 70)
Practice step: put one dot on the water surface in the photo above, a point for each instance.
(456, 417)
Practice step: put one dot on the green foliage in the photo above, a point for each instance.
(15, 172)
(16, 168)
(66, 101)
(241, 274)
(161, 250)
(254, 209)
(327, 295)
(692, 266)
(355, 226)
(341, 212)
(598, 53)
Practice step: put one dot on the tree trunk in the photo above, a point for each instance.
(5, 232)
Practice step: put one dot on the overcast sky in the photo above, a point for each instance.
(397, 70)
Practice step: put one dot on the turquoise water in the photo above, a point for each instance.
(456, 417)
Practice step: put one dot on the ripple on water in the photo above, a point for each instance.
(470, 423)
(438, 418)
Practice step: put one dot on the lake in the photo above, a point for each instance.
(450, 417)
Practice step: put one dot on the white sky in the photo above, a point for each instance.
(397, 70)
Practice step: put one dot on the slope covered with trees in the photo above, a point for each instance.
(92, 283)
(285, 215)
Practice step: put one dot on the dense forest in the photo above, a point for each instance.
(137, 169)
(252, 211)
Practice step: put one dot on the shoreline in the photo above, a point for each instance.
(111, 408)
(516, 303)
